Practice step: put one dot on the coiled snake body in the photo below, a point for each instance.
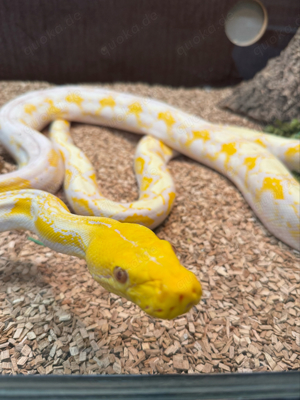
(126, 258)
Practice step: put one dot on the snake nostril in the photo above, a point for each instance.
(181, 297)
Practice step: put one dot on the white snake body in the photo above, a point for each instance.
(252, 160)
(154, 180)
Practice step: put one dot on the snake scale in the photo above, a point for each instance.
(126, 257)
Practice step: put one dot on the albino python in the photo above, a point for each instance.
(127, 258)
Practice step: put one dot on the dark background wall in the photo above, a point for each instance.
(171, 42)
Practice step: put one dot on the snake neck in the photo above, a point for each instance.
(50, 219)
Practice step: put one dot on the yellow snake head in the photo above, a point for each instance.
(131, 261)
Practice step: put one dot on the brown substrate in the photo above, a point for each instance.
(55, 319)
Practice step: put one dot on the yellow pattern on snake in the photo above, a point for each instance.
(126, 258)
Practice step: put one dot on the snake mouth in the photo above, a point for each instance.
(161, 301)
(171, 312)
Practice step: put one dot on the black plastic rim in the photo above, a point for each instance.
(258, 386)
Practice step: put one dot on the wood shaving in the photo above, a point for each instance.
(55, 319)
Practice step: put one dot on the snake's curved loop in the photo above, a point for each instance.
(250, 159)
(156, 186)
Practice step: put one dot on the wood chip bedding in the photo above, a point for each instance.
(55, 319)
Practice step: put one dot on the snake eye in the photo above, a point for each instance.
(120, 275)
